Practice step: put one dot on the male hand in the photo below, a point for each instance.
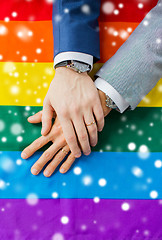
(76, 101)
(54, 152)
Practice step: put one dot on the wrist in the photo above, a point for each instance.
(106, 109)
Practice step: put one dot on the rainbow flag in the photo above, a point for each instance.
(113, 194)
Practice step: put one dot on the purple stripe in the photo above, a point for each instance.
(88, 220)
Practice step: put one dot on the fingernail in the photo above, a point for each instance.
(100, 130)
(34, 171)
(87, 153)
(93, 144)
(62, 170)
(46, 173)
(23, 155)
(77, 155)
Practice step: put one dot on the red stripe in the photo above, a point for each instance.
(130, 11)
(40, 10)
(27, 10)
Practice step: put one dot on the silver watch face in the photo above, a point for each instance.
(110, 103)
(80, 67)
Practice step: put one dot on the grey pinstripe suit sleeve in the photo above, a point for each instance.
(137, 66)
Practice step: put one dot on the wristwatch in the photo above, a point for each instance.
(111, 104)
(77, 66)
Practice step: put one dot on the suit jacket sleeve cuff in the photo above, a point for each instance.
(78, 56)
(112, 93)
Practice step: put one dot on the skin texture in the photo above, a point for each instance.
(54, 152)
(75, 100)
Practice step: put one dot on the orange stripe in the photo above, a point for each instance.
(32, 36)
(14, 47)
(109, 42)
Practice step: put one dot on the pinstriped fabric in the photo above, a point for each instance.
(137, 66)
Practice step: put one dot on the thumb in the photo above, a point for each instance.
(36, 118)
(47, 116)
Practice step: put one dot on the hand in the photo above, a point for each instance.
(57, 137)
(58, 143)
(76, 101)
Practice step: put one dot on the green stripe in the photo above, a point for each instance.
(141, 126)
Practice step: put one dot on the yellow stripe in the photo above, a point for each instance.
(26, 84)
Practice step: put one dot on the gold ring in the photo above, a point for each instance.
(89, 124)
(64, 151)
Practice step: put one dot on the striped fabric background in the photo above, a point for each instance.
(113, 194)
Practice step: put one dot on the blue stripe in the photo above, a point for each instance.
(16, 181)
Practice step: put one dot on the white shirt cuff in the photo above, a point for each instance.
(105, 87)
(78, 56)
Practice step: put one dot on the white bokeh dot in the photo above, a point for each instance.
(14, 14)
(96, 199)
(102, 182)
(131, 146)
(19, 162)
(19, 138)
(140, 5)
(77, 170)
(57, 236)
(108, 7)
(87, 180)
(16, 128)
(158, 163)
(38, 50)
(125, 206)
(86, 9)
(64, 219)
(121, 5)
(143, 152)
(55, 195)
(137, 171)
(4, 139)
(153, 194)
(32, 199)
(2, 184)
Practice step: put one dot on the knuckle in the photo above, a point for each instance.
(76, 109)
(93, 97)
(57, 130)
(86, 104)
(83, 137)
(63, 141)
(38, 144)
(58, 159)
(71, 138)
(63, 111)
(47, 155)
(92, 129)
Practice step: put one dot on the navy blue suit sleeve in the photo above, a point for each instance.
(75, 26)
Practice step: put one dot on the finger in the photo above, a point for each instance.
(99, 115)
(47, 116)
(36, 118)
(49, 170)
(34, 146)
(70, 136)
(82, 134)
(67, 164)
(91, 128)
(45, 157)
